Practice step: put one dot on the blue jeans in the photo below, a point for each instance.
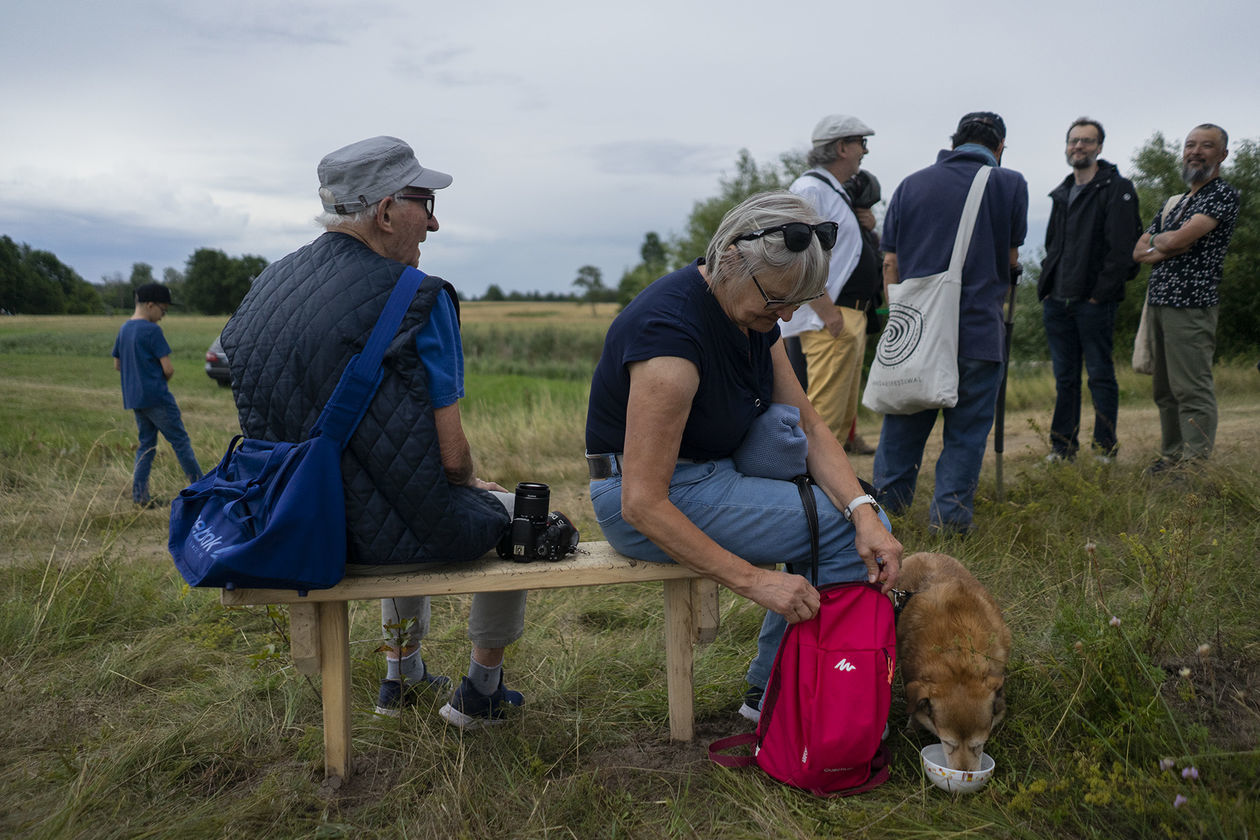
(1082, 331)
(759, 519)
(967, 426)
(163, 417)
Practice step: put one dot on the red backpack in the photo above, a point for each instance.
(824, 712)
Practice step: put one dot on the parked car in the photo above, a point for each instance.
(217, 365)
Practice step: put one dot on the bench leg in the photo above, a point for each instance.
(334, 640)
(704, 597)
(304, 638)
(680, 632)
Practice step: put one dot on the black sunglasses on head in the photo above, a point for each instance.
(796, 234)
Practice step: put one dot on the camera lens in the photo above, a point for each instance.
(532, 501)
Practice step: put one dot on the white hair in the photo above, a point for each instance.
(768, 254)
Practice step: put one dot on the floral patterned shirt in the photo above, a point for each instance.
(1191, 279)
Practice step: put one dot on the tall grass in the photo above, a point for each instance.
(137, 708)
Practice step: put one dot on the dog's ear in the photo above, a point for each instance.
(919, 699)
(999, 704)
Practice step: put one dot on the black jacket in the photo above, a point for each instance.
(1089, 247)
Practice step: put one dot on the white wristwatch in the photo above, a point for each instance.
(857, 503)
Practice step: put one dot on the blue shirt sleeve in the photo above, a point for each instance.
(442, 353)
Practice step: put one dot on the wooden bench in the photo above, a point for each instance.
(320, 633)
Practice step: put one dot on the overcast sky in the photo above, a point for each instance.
(141, 130)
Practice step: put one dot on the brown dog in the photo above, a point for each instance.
(952, 646)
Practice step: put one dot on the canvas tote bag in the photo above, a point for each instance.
(916, 360)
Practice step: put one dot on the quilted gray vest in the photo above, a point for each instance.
(302, 320)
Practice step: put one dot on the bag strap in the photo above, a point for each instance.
(812, 174)
(967, 224)
(1166, 216)
(804, 484)
(362, 376)
(721, 745)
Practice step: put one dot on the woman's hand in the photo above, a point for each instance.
(791, 596)
(879, 549)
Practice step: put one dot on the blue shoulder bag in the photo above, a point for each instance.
(273, 515)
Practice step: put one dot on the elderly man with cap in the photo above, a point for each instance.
(919, 231)
(412, 496)
(143, 357)
(830, 332)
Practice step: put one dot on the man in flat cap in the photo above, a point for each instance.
(412, 496)
(919, 231)
(143, 357)
(830, 333)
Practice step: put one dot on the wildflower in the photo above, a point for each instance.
(1205, 649)
(1184, 672)
(1115, 621)
(1179, 801)
(1167, 764)
(1091, 548)
(1078, 646)
(1191, 772)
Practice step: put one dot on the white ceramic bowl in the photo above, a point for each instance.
(954, 781)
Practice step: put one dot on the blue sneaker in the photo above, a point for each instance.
(396, 695)
(470, 709)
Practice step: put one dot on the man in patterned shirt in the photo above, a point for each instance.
(1188, 255)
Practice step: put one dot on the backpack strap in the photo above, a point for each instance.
(721, 745)
(812, 174)
(804, 484)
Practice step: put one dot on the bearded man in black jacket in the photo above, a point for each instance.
(1094, 224)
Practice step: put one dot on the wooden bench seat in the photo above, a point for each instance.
(320, 633)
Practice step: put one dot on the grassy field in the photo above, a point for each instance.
(134, 707)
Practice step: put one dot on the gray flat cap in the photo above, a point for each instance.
(357, 176)
(835, 126)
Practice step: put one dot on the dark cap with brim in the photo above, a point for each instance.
(357, 176)
(153, 293)
(988, 118)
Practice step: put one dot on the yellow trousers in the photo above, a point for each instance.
(835, 371)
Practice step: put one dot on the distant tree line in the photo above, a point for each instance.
(34, 282)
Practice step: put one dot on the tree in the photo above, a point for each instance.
(653, 252)
(215, 283)
(591, 279)
(36, 282)
(141, 273)
(493, 292)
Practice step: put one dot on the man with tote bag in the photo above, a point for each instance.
(920, 230)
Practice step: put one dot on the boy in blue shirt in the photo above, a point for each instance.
(143, 357)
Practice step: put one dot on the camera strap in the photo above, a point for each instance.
(805, 485)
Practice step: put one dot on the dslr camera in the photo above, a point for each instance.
(533, 533)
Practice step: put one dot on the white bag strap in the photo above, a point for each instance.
(967, 224)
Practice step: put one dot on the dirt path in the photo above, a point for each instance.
(1027, 436)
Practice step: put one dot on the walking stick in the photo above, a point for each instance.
(999, 430)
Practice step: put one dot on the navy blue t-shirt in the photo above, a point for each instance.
(139, 348)
(922, 223)
(678, 316)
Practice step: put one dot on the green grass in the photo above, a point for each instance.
(135, 707)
